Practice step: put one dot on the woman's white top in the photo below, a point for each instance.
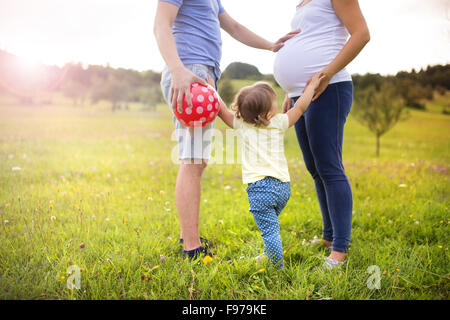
(321, 38)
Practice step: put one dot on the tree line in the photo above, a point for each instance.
(414, 87)
(379, 101)
(78, 83)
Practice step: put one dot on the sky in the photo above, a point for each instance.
(405, 34)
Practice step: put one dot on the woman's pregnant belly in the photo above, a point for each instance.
(300, 59)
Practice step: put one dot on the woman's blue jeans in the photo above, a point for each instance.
(320, 133)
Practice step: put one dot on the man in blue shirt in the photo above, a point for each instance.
(188, 37)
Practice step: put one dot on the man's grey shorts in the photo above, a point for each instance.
(192, 143)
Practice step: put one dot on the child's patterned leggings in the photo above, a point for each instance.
(267, 197)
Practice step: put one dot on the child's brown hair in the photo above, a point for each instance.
(253, 103)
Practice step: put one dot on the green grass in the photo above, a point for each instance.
(108, 181)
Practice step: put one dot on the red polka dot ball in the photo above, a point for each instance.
(205, 107)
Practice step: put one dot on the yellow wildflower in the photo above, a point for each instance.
(207, 259)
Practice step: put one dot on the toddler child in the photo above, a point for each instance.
(264, 166)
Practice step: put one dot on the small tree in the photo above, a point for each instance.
(112, 90)
(240, 70)
(226, 90)
(75, 91)
(379, 110)
(413, 93)
(149, 96)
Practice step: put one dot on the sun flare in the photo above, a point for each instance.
(28, 65)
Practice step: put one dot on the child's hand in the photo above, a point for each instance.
(286, 104)
(305, 99)
(316, 79)
(210, 81)
(213, 85)
(225, 114)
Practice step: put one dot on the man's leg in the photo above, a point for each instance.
(187, 198)
(194, 148)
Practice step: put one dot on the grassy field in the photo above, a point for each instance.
(91, 188)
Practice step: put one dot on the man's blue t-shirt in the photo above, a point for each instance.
(197, 32)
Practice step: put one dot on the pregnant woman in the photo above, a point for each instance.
(324, 45)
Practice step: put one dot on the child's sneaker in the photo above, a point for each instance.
(330, 264)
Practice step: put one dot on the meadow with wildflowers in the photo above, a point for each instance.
(89, 188)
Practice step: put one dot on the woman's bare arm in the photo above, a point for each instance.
(351, 16)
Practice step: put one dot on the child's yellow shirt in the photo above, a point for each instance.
(262, 149)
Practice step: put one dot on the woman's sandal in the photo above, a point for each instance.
(330, 264)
